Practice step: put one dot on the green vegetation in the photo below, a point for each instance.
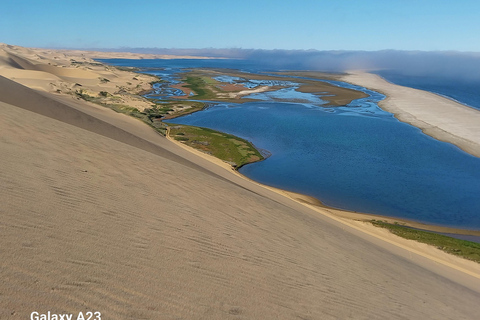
(175, 108)
(85, 96)
(234, 150)
(150, 116)
(77, 63)
(200, 86)
(466, 249)
(157, 112)
(209, 80)
(131, 69)
(187, 107)
(181, 138)
(156, 81)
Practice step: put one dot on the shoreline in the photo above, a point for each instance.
(320, 206)
(364, 216)
(438, 117)
(355, 221)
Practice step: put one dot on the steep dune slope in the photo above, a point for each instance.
(94, 217)
(28, 99)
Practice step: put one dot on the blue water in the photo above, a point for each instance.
(356, 157)
(348, 160)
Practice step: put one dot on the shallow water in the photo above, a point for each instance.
(286, 94)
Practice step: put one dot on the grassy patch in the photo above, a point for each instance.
(85, 96)
(466, 249)
(226, 147)
(131, 69)
(209, 81)
(156, 81)
(180, 138)
(150, 116)
(182, 108)
(200, 86)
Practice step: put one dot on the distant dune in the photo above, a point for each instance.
(100, 213)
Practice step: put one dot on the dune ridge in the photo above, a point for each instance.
(100, 213)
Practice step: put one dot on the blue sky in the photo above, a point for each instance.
(322, 25)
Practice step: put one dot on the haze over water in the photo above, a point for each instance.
(356, 157)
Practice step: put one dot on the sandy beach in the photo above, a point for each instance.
(101, 213)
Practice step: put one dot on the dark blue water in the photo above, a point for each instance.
(357, 157)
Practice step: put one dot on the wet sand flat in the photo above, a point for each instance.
(333, 95)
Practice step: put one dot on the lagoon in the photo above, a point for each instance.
(365, 163)
(355, 157)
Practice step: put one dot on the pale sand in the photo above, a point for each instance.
(101, 213)
(129, 55)
(242, 93)
(439, 117)
(66, 74)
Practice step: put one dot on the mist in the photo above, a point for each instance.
(443, 64)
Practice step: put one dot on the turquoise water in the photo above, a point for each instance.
(356, 157)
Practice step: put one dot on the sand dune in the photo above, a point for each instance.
(129, 55)
(61, 74)
(25, 64)
(101, 213)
